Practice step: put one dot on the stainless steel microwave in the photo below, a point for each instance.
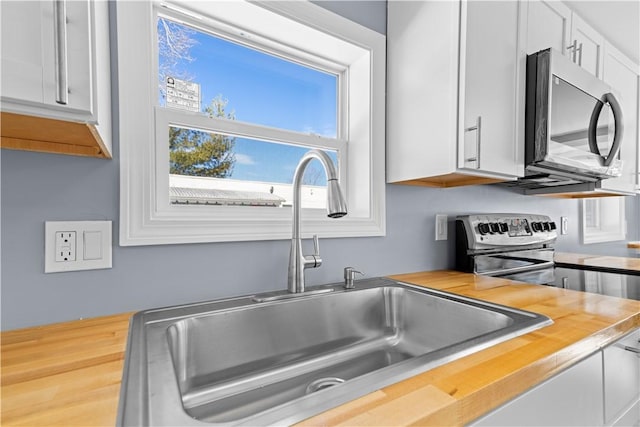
(573, 124)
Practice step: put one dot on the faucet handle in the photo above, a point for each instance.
(349, 275)
(316, 246)
(313, 261)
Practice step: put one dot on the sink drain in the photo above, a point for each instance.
(322, 383)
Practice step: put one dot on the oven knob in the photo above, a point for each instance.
(546, 226)
(504, 227)
(537, 226)
(494, 227)
(483, 228)
(552, 225)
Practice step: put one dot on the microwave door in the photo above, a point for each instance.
(578, 131)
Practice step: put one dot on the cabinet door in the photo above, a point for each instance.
(622, 75)
(22, 51)
(29, 67)
(589, 46)
(622, 380)
(572, 398)
(488, 101)
(548, 25)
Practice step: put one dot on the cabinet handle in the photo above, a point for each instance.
(478, 129)
(60, 48)
(635, 350)
(574, 48)
(579, 49)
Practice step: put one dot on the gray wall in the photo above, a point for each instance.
(40, 187)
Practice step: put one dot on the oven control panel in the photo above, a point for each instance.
(499, 230)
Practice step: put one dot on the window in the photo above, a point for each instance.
(219, 101)
(603, 219)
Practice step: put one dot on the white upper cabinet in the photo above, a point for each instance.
(587, 46)
(621, 74)
(55, 64)
(441, 130)
(548, 25)
(553, 24)
(488, 99)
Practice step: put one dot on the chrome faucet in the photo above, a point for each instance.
(336, 208)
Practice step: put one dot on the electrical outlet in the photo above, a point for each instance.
(441, 227)
(564, 225)
(77, 245)
(65, 246)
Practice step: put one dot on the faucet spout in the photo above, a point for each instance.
(336, 208)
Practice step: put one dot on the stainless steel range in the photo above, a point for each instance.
(519, 247)
(513, 246)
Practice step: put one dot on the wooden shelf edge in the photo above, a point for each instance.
(449, 180)
(41, 134)
(51, 147)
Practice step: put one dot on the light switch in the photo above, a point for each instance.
(92, 245)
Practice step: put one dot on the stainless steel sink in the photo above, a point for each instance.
(242, 362)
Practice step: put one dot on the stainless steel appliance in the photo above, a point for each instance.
(519, 247)
(623, 285)
(573, 126)
(513, 246)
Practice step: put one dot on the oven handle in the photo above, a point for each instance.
(619, 127)
(505, 272)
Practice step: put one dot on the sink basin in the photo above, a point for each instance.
(242, 362)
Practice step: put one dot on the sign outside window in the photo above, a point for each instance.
(183, 94)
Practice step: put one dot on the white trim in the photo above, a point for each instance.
(601, 233)
(145, 218)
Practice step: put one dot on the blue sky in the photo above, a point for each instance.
(266, 90)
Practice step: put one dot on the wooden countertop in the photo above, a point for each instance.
(63, 374)
(69, 373)
(611, 263)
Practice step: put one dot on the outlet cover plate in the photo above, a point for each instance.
(441, 227)
(92, 245)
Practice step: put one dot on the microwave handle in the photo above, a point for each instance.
(619, 127)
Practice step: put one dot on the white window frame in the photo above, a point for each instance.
(147, 217)
(604, 214)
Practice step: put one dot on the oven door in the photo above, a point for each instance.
(599, 282)
(537, 277)
(513, 263)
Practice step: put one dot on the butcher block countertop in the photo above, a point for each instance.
(69, 373)
(605, 263)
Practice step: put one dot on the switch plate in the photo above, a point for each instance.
(564, 225)
(77, 245)
(441, 227)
